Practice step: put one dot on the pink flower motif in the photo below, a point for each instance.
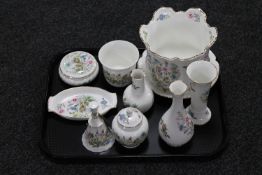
(74, 99)
(90, 62)
(165, 69)
(190, 15)
(61, 111)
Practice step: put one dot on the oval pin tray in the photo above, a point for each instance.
(61, 138)
(73, 103)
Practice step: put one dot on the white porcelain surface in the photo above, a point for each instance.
(155, 88)
(176, 127)
(73, 103)
(173, 40)
(130, 127)
(118, 59)
(77, 68)
(97, 137)
(201, 74)
(138, 94)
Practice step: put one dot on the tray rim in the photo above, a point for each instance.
(44, 149)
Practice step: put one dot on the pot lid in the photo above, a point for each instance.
(129, 117)
(78, 64)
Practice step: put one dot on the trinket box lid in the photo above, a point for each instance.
(129, 117)
(78, 67)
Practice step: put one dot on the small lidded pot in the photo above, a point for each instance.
(130, 127)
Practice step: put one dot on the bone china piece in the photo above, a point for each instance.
(73, 103)
(201, 74)
(138, 95)
(141, 65)
(173, 40)
(77, 68)
(118, 59)
(176, 127)
(97, 137)
(130, 127)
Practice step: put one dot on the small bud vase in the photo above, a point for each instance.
(176, 127)
(97, 137)
(138, 94)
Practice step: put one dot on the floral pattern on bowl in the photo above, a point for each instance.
(73, 103)
(117, 79)
(155, 83)
(163, 74)
(78, 106)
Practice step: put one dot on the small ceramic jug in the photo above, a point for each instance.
(138, 94)
(130, 127)
(175, 126)
(97, 137)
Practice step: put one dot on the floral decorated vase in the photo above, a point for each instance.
(200, 86)
(173, 40)
(138, 94)
(130, 127)
(175, 126)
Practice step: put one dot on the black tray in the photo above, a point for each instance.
(61, 138)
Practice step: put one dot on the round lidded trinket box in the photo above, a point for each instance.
(130, 127)
(77, 68)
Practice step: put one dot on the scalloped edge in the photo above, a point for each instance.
(213, 33)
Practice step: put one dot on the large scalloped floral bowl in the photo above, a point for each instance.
(173, 40)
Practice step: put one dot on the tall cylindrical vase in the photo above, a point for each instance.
(201, 74)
